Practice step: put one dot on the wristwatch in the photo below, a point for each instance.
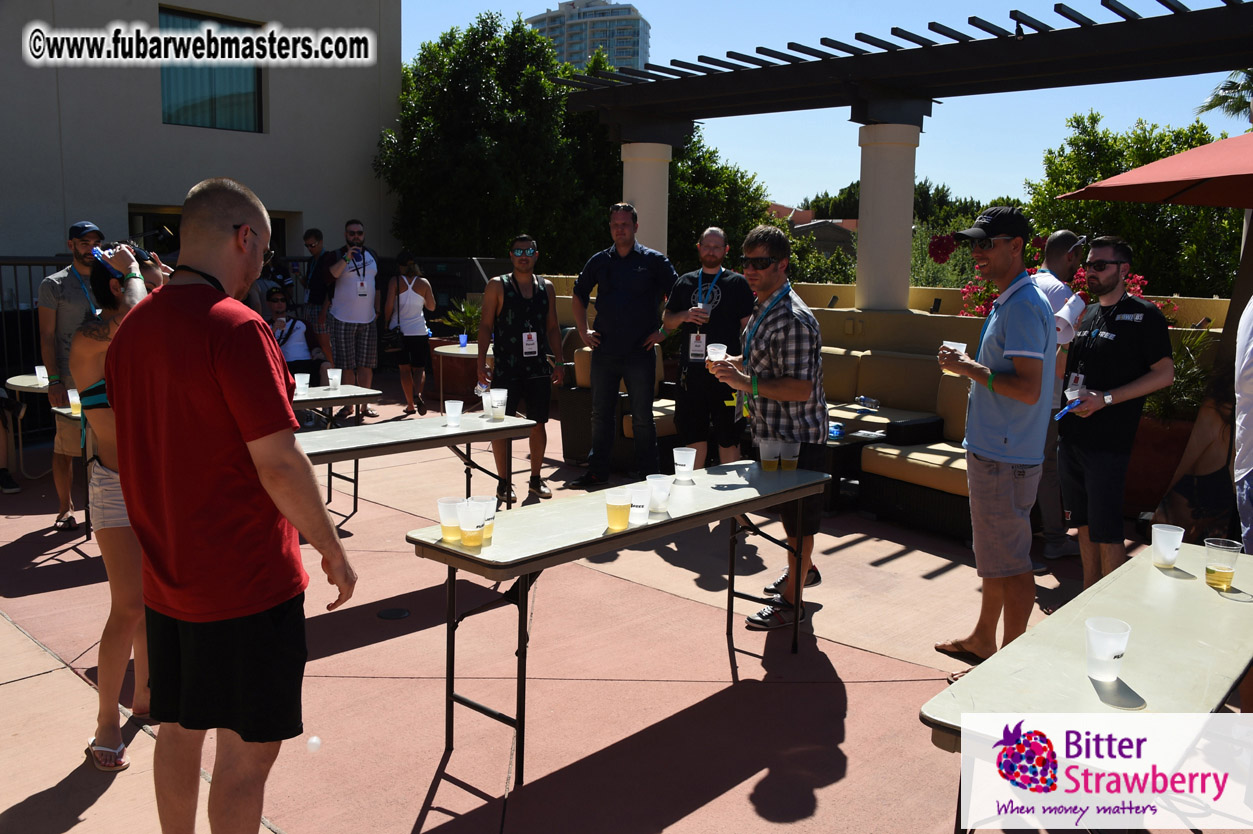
(1109, 398)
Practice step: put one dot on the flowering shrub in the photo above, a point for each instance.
(941, 248)
(978, 295)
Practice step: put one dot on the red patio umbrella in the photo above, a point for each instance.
(1217, 174)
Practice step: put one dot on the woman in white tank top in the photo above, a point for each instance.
(409, 296)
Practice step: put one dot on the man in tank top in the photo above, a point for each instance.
(520, 317)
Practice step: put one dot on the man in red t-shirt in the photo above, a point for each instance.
(217, 490)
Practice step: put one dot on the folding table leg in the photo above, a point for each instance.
(524, 588)
(509, 474)
(735, 530)
(450, 657)
(468, 471)
(799, 580)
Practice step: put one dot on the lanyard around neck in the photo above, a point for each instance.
(748, 337)
(215, 283)
(91, 304)
(703, 297)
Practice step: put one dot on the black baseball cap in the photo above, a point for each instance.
(996, 221)
(83, 228)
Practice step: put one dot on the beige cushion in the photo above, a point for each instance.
(950, 404)
(899, 380)
(877, 420)
(583, 369)
(663, 416)
(939, 466)
(839, 374)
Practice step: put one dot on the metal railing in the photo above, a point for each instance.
(20, 278)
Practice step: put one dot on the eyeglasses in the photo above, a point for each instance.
(524, 253)
(267, 254)
(311, 245)
(757, 263)
(988, 242)
(1099, 266)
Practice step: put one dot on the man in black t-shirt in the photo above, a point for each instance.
(1121, 353)
(318, 283)
(709, 306)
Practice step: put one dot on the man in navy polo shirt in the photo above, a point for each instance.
(1006, 422)
(631, 281)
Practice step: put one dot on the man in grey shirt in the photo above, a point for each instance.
(65, 301)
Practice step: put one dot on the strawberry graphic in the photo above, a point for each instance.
(1027, 760)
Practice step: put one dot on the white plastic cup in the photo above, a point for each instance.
(452, 410)
(618, 508)
(302, 383)
(470, 516)
(500, 396)
(489, 514)
(41, 374)
(960, 347)
(641, 497)
(1072, 394)
(660, 487)
(684, 461)
(450, 525)
(770, 451)
(76, 405)
(1166, 541)
(333, 376)
(715, 352)
(1107, 643)
(790, 454)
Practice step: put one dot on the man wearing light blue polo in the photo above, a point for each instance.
(1006, 423)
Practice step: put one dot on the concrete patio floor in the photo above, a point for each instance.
(642, 716)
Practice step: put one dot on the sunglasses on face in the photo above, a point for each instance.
(987, 243)
(757, 263)
(524, 253)
(1099, 266)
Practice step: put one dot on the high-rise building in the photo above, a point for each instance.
(578, 27)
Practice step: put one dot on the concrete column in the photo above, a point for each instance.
(646, 185)
(886, 216)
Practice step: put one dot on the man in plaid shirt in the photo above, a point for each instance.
(780, 375)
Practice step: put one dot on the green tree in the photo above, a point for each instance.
(1233, 97)
(1190, 250)
(484, 148)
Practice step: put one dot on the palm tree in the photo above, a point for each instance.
(1234, 97)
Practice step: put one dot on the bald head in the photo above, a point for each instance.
(214, 207)
(1062, 254)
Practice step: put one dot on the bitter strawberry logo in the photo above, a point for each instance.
(1027, 760)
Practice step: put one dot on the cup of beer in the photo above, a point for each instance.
(1220, 562)
(770, 451)
(76, 405)
(489, 514)
(789, 455)
(618, 508)
(470, 517)
(960, 347)
(449, 524)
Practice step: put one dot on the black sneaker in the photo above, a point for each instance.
(587, 481)
(7, 485)
(536, 486)
(775, 615)
(811, 579)
(510, 498)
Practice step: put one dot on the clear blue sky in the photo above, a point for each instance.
(980, 146)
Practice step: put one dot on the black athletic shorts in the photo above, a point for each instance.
(813, 458)
(702, 413)
(1093, 481)
(415, 351)
(536, 392)
(244, 674)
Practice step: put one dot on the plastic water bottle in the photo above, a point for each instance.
(836, 431)
(866, 402)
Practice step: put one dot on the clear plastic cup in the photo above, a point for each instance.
(684, 461)
(618, 508)
(470, 516)
(333, 376)
(449, 524)
(1220, 562)
(960, 347)
(489, 514)
(76, 405)
(452, 410)
(715, 352)
(302, 383)
(770, 451)
(41, 374)
(1107, 643)
(790, 455)
(641, 497)
(660, 486)
(1166, 541)
(500, 397)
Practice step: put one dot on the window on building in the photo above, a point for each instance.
(223, 97)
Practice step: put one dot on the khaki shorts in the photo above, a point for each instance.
(1001, 497)
(69, 440)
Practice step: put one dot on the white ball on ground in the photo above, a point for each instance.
(315, 744)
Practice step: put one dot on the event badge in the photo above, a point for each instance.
(696, 347)
(1075, 381)
(530, 344)
(361, 289)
